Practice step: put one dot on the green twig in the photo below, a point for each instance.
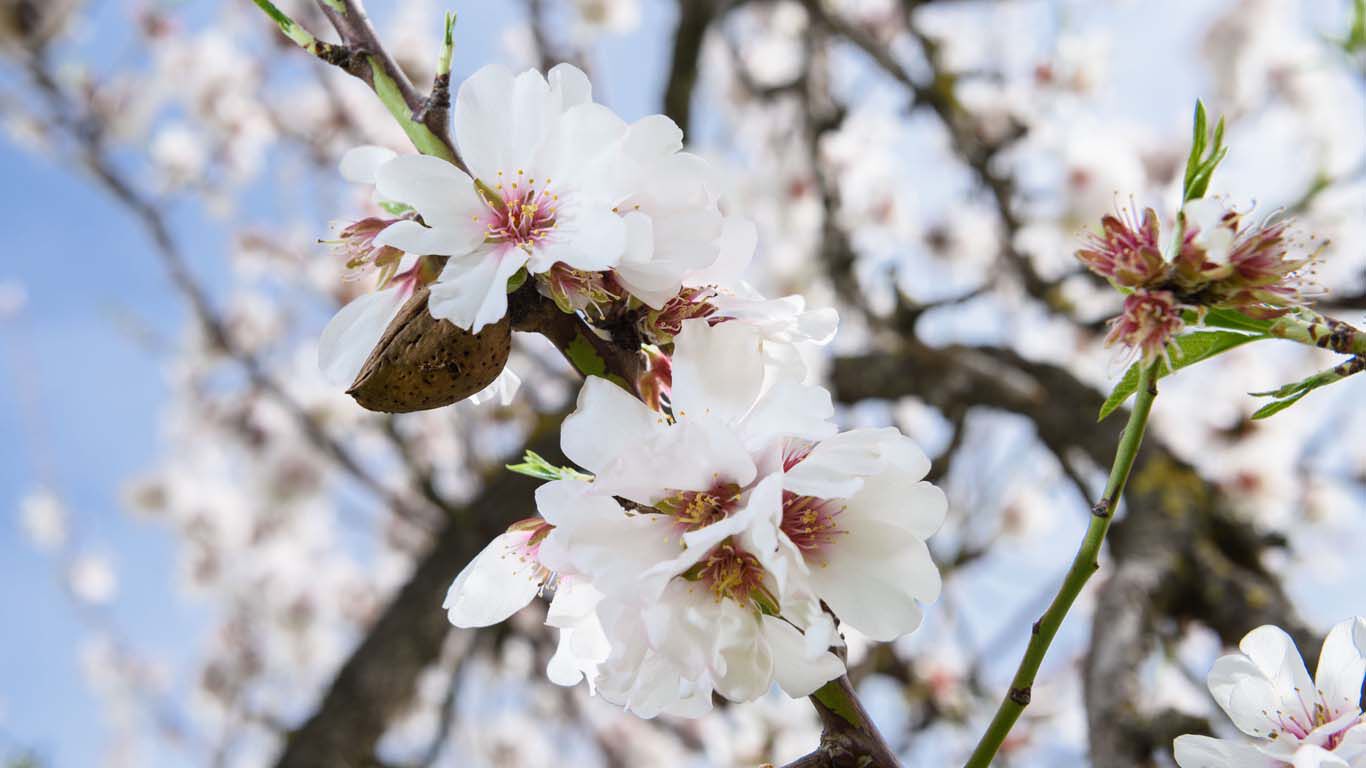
(1084, 564)
(1309, 327)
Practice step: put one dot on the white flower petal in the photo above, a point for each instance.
(876, 578)
(789, 409)
(1275, 655)
(693, 455)
(1342, 666)
(482, 109)
(359, 164)
(503, 389)
(442, 193)
(716, 369)
(1205, 752)
(472, 291)
(1243, 691)
(1311, 756)
(351, 334)
(835, 467)
(735, 250)
(591, 239)
(569, 85)
(606, 422)
(796, 673)
(413, 238)
(497, 583)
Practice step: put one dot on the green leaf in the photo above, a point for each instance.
(1273, 408)
(1189, 349)
(534, 465)
(1293, 392)
(1205, 155)
(395, 209)
(1231, 319)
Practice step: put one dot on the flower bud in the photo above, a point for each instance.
(1125, 252)
(1149, 321)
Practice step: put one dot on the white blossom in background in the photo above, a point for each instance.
(92, 578)
(1297, 721)
(44, 520)
(599, 17)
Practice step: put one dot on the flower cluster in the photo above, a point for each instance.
(1297, 721)
(701, 548)
(1219, 261)
(611, 219)
(719, 524)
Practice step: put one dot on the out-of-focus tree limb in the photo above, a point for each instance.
(694, 18)
(377, 681)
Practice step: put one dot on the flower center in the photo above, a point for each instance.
(521, 210)
(729, 571)
(699, 509)
(810, 522)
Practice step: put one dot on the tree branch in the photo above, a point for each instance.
(377, 681)
(694, 17)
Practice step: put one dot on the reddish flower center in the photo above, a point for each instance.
(699, 509)
(729, 571)
(521, 211)
(810, 522)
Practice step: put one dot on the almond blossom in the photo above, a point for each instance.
(557, 182)
(701, 546)
(1297, 721)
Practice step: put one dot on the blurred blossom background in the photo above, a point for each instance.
(199, 534)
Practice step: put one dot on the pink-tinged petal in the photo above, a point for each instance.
(353, 333)
(835, 467)
(1342, 666)
(497, 583)
(876, 577)
(360, 164)
(796, 673)
(1275, 654)
(716, 369)
(606, 422)
(1205, 752)
(442, 193)
(472, 291)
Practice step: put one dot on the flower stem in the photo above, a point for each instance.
(848, 736)
(1084, 564)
